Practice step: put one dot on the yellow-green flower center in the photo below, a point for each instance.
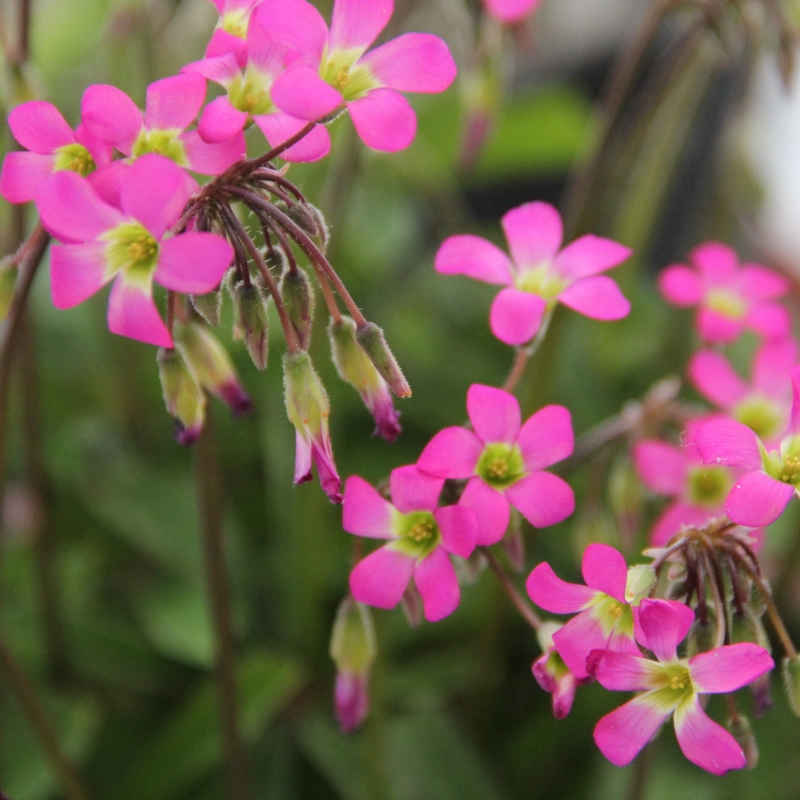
(342, 71)
(500, 465)
(75, 158)
(708, 486)
(790, 472)
(250, 93)
(132, 249)
(541, 281)
(727, 303)
(675, 680)
(761, 415)
(418, 533)
(163, 142)
(613, 616)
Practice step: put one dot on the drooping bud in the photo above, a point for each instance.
(371, 339)
(298, 298)
(641, 579)
(8, 283)
(356, 369)
(308, 409)
(212, 365)
(353, 648)
(552, 674)
(743, 733)
(183, 395)
(791, 679)
(208, 306)
(250, 311)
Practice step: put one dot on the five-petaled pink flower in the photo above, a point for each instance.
(673, 685)
(771, 476)
(730, 299)
(538, 275)
(334, 68)
(504, 462)
(131, 246)
(764, 403)
(421, 537)
(248, 77)
(51, 146)
(511, 11)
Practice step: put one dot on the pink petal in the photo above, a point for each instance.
(436, 581)
(414, 490)
(727, 669)
(623, 672)
(757, 283)
(794, 421)
(303, 463)
(101, 151)
(757, 499)
(494, 414)
(621, 734)
(173, 103)
(266, 54)
(543, 499)
(22, 173)
(663, 628)
(704, 742)
(452, 453)
(364, 511)
(681, 285)
(132, 313)
(279, 127)
(110, 114)
(224, 43)
(326, 467)
(474, 257)
(552, 594)
(491, 509)
(534, 233)
(576, 640)
(381, 578)
(211, 159)
(107, 181)
(414, 62)
(39, 127)
(384, 120)
(71, 210)
(511, 11)
(597, 297)
(300, 91)
(771, 320)
(356, 23)
(154, 192)
(589, 255)
(546, 438)
(716, 261)
(193, 263)
(681, 515)
(662, 467)
(459, 528)
(716, 328)
(516, 316)
(716, 379)
(685, 620)
(772, 363)
(725, 441)
(221, 120)
(604, 568)
(221, 69)
(295, 23)
(77, 271)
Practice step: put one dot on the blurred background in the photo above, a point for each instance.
(102, 597)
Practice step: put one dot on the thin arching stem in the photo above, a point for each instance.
(522, 605)
(524, 354)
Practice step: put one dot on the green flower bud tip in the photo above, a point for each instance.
(353, 645)
(208, 306)
(298, 299)
(183, 395)
(250, 308)
(641, 579)
(791, 679)
(371, 339)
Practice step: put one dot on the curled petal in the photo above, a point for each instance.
(381, 578)
(605, 569)
(384, 120)
(490, 508)
(413, 62)
(414, 490)
(365, 512)
(704, 742)
(621, 734)
(132, 313)
(546, 438)
(552, 594)
(597, 297)
(534, 232)
(681, 285)
(459, 527)
(516, 316)
(437, 583)
(727, 669)
(716, 379)
(494, 414)
(474, 257)
(589, 255)
(757, 499)
(543, 499)
(452, 453)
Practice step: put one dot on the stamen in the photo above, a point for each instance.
(498, 469)
(615, 610)
(422, 531)
(791, 469)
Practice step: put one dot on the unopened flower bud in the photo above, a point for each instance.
(741, 731)
(791, 679)
(353, 648)
(250, 307)
(8, 284)
(371, 338)
(212, 365)
(356, 369)
(702, 636)
(308, 409)
(208, 306)
(309, 218)
(552, 674)
(298, 299)
(641, 579)
(183, 395)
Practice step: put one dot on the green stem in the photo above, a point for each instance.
(524, 354)
(528, 614)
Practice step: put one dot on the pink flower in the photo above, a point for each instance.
(504, 462)
(730, 299)
(52, 147)
(511, 11)
(247, 76)
(538, 275)
(698, 491)
(132, 246)
(765, 402)
(673, 685)
(172, 104)
(770, 477)
(553, 675)
(333, 68)
(232, 27)
(421, 537)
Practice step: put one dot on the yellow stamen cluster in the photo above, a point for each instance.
(82, 163)
(791, 469)
(680, 681)
(615, 611)
(342, 79)
(421, 531)
(498, 469)
(143, 248)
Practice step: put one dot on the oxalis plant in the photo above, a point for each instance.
(190, 212)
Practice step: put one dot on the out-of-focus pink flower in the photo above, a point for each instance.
(553, 675)
(504, 461)
(421, 537)
(334, 69)
(730, 298)
(247, 76)
(511, 12)
(51, 146)
(764, 403)
(130, 246)
(233, 25)
(539, 274)
(673, 685)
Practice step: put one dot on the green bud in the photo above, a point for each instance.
(741, 731)
(8, 284)
(353, 644)
(298, 298)
(791, 679)
(702, 636)
(208, 306)
(641, 579)
(748, 627)
(250, 311)
(371, 339)
(183, 395)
